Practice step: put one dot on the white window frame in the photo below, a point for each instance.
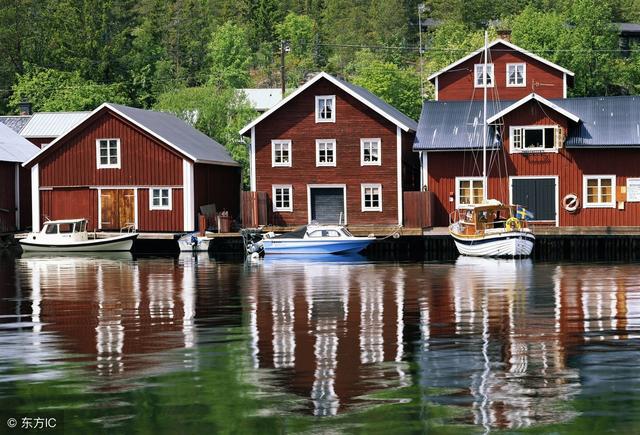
(457, 193)
(513, 149)
(281, 142)
(331, 142)
(363, 188)
(333, 106)
(119, 155)
(161, 207)
(365, 140)
(480, 67)
(273, 197)
(585, 197)
(524, 75)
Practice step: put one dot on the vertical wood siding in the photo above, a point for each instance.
(25, 197)
(160, 220)
(570, 165)
(219, 185)
(70, 204)
(457, 84)
(7, 196)
(296, 121)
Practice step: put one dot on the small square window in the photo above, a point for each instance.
(479, 75)
(280, 153)
(325, 152)
(108, 153)
(160, 199)
(326, 108)
(599, 191)
(370, 152)
(371, 197)
(516, 74)
(282, 197)
(469, 191)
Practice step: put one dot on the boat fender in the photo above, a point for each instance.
(571, 202)
(512, 223)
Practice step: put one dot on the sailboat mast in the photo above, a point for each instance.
(484, 122)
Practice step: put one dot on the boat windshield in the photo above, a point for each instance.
(51, 229)
(324, 233)
(65, 228)
(346, 232)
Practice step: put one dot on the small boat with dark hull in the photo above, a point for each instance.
(312, 239)
(70, 235)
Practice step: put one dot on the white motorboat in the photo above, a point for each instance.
(492, 229)
(313, 239)
(194, 242)
(70, 235)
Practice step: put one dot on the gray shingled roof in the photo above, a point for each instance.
(179, 134)
(604, 122)
(15, 123)
(384, 106)
(13, 147)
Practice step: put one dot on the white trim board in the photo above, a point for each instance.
(537, 177)
(538, 98)
(333, 80)
(508, 44)
(327, 186)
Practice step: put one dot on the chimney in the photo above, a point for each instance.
(24, 107)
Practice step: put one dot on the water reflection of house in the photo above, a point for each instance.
(329, 326)
(118, 312)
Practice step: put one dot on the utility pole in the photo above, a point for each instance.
(284, 47)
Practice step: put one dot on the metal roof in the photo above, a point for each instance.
(13, 147)
(367, 98)
(604, 122)
(262, 99)
(52, 124)
(178, 134)
(15, 123)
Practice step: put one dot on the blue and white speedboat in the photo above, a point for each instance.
(315, 239)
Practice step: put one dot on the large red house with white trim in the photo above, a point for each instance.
(333, 152)
(571, 161)
(122, 166)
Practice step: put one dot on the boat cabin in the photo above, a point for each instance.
(63, 230)
(315, 232)
(493, 216)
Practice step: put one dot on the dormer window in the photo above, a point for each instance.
(516, 74)
(108, 153)
(326, 108)
(480, 76)
(535, 139)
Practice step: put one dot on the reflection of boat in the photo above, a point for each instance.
(301, 259)
(70, 256)
(71, 236)
(491, 229)
(315, 239)
(194, 242)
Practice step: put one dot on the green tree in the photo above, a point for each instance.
(53, 90)
(230, 56)
(299, 31)
(217, 112)
(398, 87)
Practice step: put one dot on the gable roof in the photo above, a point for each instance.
(537, 98)
(13, 147)
(52, 124)
(508, 44)
(604, 122)
(15, 123)
(367, 98)
(167, 128)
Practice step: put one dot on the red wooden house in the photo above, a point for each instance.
(571, 161)
(332, 151)
(14, 180)
(122, 166)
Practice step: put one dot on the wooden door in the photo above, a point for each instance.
(126, 207)
(109, 209)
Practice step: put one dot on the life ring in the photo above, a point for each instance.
(512, 224)
(571, 202)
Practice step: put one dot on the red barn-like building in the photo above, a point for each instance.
(571, 161)
(123, 166)
(332, 151)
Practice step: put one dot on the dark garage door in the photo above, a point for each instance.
(327, 203)
(537, 195)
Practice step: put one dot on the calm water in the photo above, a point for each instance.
(114, 344)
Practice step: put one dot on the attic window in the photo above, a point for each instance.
(516, 74)
(108, 153)
(479, 76)
(535, 138)
(326, 108)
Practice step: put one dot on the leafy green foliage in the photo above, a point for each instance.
(218, 112)
(53, 90)
(230, 56)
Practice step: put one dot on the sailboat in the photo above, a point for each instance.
(491, 228)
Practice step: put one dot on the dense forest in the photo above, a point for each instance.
(190, 55)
